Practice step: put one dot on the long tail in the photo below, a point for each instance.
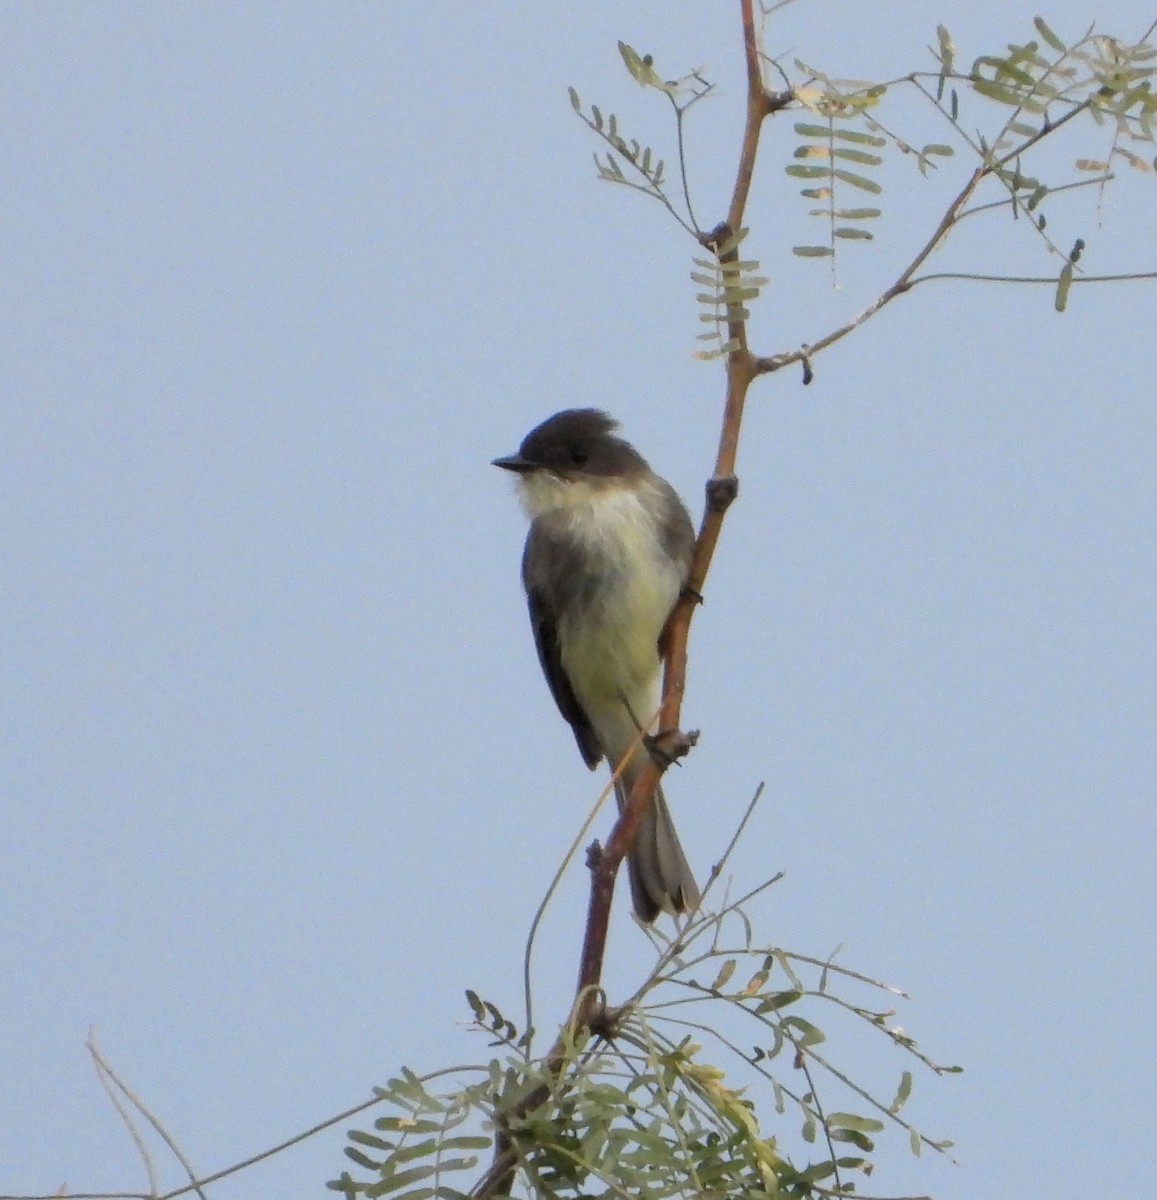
(661, 879)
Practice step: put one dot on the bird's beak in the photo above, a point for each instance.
(514, 462)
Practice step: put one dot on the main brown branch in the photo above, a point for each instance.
(590, 1009)
(721, 490)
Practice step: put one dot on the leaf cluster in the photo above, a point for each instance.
(730, 283)
(641, 1111)
(1041, 84)
(629, 162)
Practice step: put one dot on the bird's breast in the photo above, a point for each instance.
(609, 634)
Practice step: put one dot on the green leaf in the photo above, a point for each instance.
(634, 63)
(413, 1151)
(867, 185)
(817, 1171)
(642, 69)
(902, 1093)
(804, 172)
(813, 251)
(863, 139)
(368, 1139)
(812, 131)
(1065, 282)
(856, 235)
(860, 156)
(467, 1142)
(780, 1000)
(914, 1143)
(785, 964)
(407, 1125)
(728, 968)
(343, 1183)
(804, 1032)
(994, 91)
(947, 50)
(1006, 68)
(575, 102)
(855, 1137)
(391, 1182)
(856, 214)
(843, 1120)
(458, 1164)
(939, 149)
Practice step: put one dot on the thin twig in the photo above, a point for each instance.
(264, 1154)
(160, 1130)
(717, 869)
(683, 165)
(902, 284)
(740, 372)
(567, 858)
(109, 1083)
(1050, 279)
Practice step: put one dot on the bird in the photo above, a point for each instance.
(606, 559)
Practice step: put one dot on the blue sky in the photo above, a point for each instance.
(279, 775)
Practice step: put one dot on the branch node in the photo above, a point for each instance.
(669, 745)
(589, 1012)
(714, 238)
(721, 492)
(774, 102)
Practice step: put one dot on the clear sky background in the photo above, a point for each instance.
(278, 773)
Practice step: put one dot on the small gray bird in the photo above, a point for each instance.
(606, 559)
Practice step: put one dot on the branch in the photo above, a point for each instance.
(109, 1076)
(764, 366)
(1049, 279)
(590, 1008)
(721, 490)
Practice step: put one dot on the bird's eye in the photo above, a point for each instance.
(578, 457)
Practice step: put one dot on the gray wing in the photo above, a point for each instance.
(678, 534)
(541, 562)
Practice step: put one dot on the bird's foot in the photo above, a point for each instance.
(669, 745)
